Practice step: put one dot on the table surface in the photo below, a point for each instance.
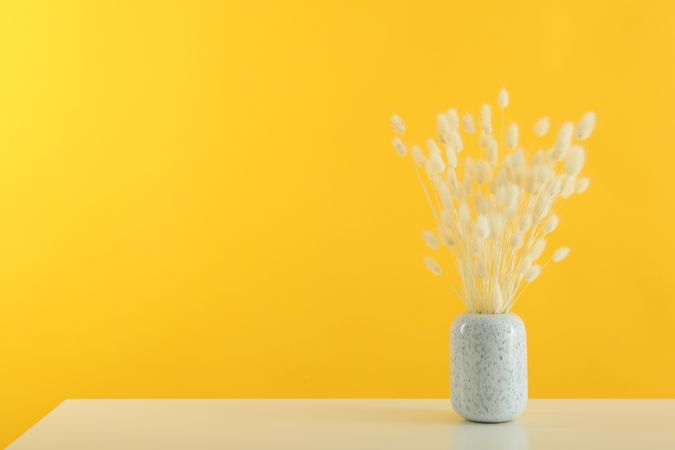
(347, 424)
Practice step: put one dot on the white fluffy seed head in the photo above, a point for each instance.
(498, 183)
(397, 124)
(541, 208)
(500, 193)
(443, 191)
(437, 164)
(525, 222)
(567, 187)
(538, 249)
(497, 224)
(545, 173)
(541, 126)
(443, 127)
(418, 157)
(581, 185)
(446, 218)
(516, 241)
(512, 197)
(574, 160)
(512, 136)
(508, 160)
(432, 146)
(539, 157)
(560, 254)
(531, 273)
(484, 139)
(399, 147)
(503, 98)
(585, 126)
(469, 167)
(562, 143)
(486, 118)
(447, 238)
(554, 186)
(481, 204)
(531, 182)
(551, 224)
(453, 119)
(482, 172)
(430, 239)
(518, 159)
(429, 168)
(467, 186)
(469, 126)
(492, 150)
(452, 180)
(432, 265)
(482, 227)
(451, 156)
(455, 140)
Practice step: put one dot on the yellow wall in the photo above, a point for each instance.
(199, 199)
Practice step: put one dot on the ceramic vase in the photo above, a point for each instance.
(488, 367)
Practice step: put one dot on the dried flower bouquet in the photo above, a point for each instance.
(494, 210)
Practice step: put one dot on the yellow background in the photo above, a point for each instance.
(199, 199)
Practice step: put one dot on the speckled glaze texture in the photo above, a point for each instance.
(488, 366)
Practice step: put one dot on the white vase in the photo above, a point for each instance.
(488, 367)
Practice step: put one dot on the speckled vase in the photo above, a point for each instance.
(488, 367)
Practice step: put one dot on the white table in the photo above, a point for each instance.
(347, 424)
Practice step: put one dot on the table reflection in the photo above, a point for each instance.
(488, 436)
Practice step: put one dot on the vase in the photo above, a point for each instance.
(488, 367)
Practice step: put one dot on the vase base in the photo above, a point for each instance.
(485, 421)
